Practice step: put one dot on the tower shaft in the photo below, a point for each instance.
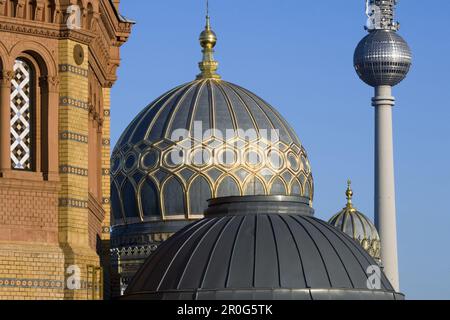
(385, 211)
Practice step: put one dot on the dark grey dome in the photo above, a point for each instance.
(258, 248)
(382, 58)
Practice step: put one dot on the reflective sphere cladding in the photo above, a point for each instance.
(382, 58)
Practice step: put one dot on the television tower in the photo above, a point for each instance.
(382, 60)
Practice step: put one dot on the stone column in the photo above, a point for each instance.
(5, 116)
(385, 212)
(50, 94)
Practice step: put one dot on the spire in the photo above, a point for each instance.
(208, 39)
(381, 14)
(349, 194)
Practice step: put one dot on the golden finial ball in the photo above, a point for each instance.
(208, 39)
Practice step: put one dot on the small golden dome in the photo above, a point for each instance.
(359, 227)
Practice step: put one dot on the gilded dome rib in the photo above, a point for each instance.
(259, 105)
(228, 103)
(156, 128)
(226, 86)
(191, 117)
(128, 132)
(203, 110)
(269, 111)
(260, 122)
(150, 116)
(174, 111)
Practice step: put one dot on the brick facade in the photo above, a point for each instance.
(57, 216)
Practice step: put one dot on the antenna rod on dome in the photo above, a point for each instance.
(208, 39)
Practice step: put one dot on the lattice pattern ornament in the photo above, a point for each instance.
(20, 103)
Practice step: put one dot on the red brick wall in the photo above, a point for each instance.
(28, 211)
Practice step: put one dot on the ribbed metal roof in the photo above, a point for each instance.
(256, 254)
(216, 103)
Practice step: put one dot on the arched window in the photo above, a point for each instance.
(173, 198)
(254, 187)
(296, 189)
(227, 188)
(150, 200)
(22, 104)
(278, 187)
(50, 11)
(116, 206)
(307, 190)
(13, 8)
(129, 200)
(90, 15)
(199, 194)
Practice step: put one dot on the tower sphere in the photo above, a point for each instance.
(382, 58)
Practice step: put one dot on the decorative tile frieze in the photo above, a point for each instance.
(73, 136)
(73, 69)
(71, 102)
(31, 283)
(106, 200)
(41, 284)
(106, 142)
(106, 113)
(66, 169)
(73, 203)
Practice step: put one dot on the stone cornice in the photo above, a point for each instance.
(106, 34)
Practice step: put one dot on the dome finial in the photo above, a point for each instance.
(208, 40)
(349, 194)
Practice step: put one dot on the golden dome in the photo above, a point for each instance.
(359, 227)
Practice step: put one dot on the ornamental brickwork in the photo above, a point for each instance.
(54, 209)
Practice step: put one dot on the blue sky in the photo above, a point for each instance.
(298, 55)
